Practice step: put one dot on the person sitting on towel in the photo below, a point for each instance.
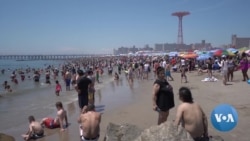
(89, 121)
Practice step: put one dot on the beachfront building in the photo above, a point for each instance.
(239, 42)
(202, 46)
(134, 49)
(168, 47)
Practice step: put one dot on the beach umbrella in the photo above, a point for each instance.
(173, 54)
(233, 50)
(220, 52)
(196, 51)
(231, 53)
(243, 49)
(189, 56)
(203, 57)
(213, 51)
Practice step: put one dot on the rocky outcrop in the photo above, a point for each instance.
(124, 132)
(165, 132)
(4, 137)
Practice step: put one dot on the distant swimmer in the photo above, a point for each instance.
(47, 77)
(22, 76)
(89, 121)
(7, 86)
(58, 121)
(35, 130)
(36, 76)
(2, 71)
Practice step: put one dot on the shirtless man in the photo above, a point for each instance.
(168, 71)
(89, 123)
(35, 130)
(190, 115)
(58, 121)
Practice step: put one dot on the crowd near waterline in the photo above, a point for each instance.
(83, 75)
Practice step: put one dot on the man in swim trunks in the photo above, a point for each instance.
(58, 121)
(89, 124)
(35, 130)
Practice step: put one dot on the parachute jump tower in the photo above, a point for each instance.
(180, 15)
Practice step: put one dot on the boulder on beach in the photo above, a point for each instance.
(165, 132)
(123, 132)
(4, 137)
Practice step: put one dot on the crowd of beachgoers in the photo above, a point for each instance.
(82, 74)
(202, 61)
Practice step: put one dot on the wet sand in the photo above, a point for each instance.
(134, 105)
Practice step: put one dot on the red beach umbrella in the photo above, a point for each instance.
(220, 52)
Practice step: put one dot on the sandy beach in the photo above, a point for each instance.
(133, 104)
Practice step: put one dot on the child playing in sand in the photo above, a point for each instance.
(58, 88)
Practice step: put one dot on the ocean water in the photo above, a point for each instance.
(13, 64)
(38, 99)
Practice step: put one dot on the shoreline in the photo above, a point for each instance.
(138, 109)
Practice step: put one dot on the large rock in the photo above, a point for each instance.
(124, 132)
(4, 137)
(165, 132)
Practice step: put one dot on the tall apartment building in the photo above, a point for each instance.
(238, 42)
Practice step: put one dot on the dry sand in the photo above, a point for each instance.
(139, 110)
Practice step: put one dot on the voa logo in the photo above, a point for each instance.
(224, 117)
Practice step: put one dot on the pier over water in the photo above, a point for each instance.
(46, 57)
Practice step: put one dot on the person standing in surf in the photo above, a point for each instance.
(58, 88)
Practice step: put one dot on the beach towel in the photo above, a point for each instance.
(213, 79)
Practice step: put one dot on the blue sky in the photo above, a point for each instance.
(99, 26)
